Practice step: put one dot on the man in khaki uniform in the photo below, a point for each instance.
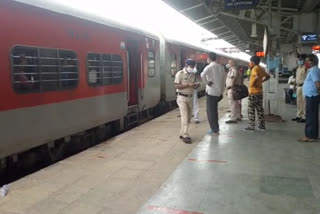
(185, 83)
(300, 77)
(233, 78)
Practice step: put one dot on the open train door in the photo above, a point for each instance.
(134, 66)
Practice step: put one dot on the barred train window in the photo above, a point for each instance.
(38, 69)
(104, 69)
(173, 66)
(151, 64)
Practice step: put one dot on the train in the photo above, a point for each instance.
(68, 75)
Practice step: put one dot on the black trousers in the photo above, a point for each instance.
(312, 117)
(212, 112)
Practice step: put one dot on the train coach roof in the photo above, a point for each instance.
(204, 49)
(55, 7)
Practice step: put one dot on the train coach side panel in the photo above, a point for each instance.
(26, 128)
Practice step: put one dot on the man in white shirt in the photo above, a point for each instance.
(214, 76)
(195, 98)
(291, 83)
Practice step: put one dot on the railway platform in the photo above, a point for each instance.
(149, 171)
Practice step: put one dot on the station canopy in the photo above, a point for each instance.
(242, 22)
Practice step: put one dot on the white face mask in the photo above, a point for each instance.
(228, 66)
(190, 70)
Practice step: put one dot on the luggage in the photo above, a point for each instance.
(240, 92)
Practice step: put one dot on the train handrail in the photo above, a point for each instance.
(128, 78)
(141, 76)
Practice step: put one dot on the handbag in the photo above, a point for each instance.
(240, 92)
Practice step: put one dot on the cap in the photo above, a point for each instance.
(190, 62)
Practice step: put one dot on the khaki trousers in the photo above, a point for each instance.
(185, 107)
(235, 106)
(301, 103)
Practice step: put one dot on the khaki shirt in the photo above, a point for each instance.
(301, 75)
(233, 74)
(184, 78)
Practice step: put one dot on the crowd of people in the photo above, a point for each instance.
(217, 81)
(304, 87)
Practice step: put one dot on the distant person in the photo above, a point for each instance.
(195, 98)
(21, 77)
(234, 78)
(185, 85)
(291, 90)
(311, 89)
(257, 77)
(300, 78)
(214, 76)
(248, 73)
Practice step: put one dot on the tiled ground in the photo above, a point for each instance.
(115, 177)
(245, 173)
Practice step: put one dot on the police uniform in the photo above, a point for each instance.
(233, 75)
(184, 100)
(300, 77)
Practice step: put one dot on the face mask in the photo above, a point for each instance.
(228, 66)
(190, 70)
(300, 62)
(195, 70)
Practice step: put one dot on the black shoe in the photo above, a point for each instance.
(231, 121)
(296, 119)
(249, 129)
(180, 137)
(301, 121)
(197, 122)
(187, 140)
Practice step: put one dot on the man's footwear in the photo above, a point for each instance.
(180, 137)
(239, 119)
(228, 111)
(301, 121)
(306, 140)
(197, 122)
(249, 129)
(262, 129)
(296, 119)
(213, 133)
(187, 140)
(231, 121)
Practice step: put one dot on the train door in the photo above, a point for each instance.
(134, 68)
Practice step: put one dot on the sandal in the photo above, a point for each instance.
(305, 140)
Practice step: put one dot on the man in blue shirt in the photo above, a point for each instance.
(311, 88)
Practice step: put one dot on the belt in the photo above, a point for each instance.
(184, 95)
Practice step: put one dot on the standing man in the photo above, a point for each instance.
(300, 77)
(195, 99)
(311, 88)
(258, 76)
(234, 78)
(185, 85)
(214, 76)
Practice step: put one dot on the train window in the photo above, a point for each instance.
(42, 69)
(151, 64)
(173, 66)
(104, 69)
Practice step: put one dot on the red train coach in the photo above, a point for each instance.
(63, 74)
